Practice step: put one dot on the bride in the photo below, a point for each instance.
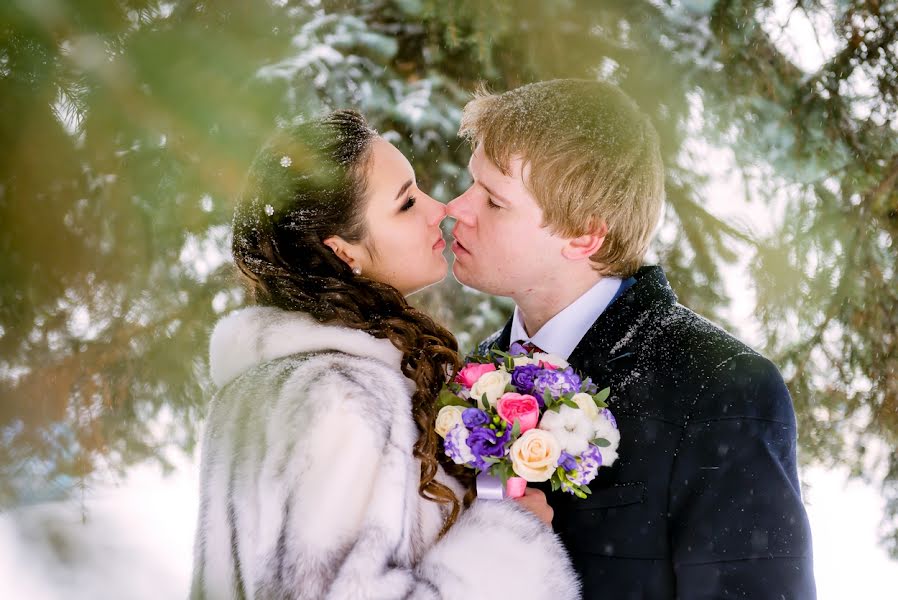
(321, 475)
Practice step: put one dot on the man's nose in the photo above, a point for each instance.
(460, 208)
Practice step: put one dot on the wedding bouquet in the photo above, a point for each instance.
(524, 417)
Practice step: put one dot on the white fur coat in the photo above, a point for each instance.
(309, 486)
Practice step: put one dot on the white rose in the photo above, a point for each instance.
(552, 359)
(587, 405)
(571, 427)
(447, 418)
(492, 384)
(534, 455)
(520, 361)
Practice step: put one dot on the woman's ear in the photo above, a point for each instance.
(342, 249)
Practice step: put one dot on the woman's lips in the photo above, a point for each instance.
(439, 245)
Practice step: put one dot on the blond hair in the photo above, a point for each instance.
(592, 155)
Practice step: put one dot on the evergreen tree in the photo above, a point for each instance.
(128, 125)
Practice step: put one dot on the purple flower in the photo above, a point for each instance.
(522, 378)
(567, 461)
(484, 441)
(517, 349)
(556, 382)
(474, 417)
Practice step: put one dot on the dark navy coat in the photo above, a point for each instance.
(704, 501)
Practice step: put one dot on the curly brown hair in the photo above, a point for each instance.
(308, 184)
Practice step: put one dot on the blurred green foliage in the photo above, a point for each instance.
(127, 127)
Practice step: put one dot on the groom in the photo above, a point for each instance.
(704, 500)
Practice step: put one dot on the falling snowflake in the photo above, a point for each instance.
(269, 209)
(286, 161)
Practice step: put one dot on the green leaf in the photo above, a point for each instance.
(600, 398)
(569, 402)
(516, 429)
(601, 442)
(447, 398)
(504, 475)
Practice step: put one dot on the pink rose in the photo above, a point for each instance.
(520, 407)
(469, 375)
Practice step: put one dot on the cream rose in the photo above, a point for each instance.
(491, 384)
(520, 361)
(534, 455)
(587, 405)
(447, 418)
(552, 359)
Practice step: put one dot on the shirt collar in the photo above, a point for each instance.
(561, 334)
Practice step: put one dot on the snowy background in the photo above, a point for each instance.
(137, 541)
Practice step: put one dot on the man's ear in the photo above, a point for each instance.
(584, 246)
(342, 249)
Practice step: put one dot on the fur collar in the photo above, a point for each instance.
(251, 336)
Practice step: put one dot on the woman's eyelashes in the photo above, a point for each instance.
(410, 202)
(490, 203)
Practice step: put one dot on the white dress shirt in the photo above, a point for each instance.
(561, 334)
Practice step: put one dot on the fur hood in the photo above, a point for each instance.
(258, 334)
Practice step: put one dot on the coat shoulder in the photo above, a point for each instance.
(322, 378)
(729, 378)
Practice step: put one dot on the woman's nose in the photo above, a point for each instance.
(438, 212)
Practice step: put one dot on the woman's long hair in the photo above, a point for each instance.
(307, 184)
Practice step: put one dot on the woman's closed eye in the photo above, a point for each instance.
(490, 203)
(410, 202)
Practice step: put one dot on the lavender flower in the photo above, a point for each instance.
(557, 382)
(456, 446)
(522, 379)
(589, 387)
(609, 416)
(587, 468)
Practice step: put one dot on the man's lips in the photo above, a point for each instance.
(458, 248)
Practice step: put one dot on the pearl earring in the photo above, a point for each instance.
(357, 271)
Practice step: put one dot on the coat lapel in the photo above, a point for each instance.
(612, 341)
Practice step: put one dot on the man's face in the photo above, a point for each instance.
(500, 245)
